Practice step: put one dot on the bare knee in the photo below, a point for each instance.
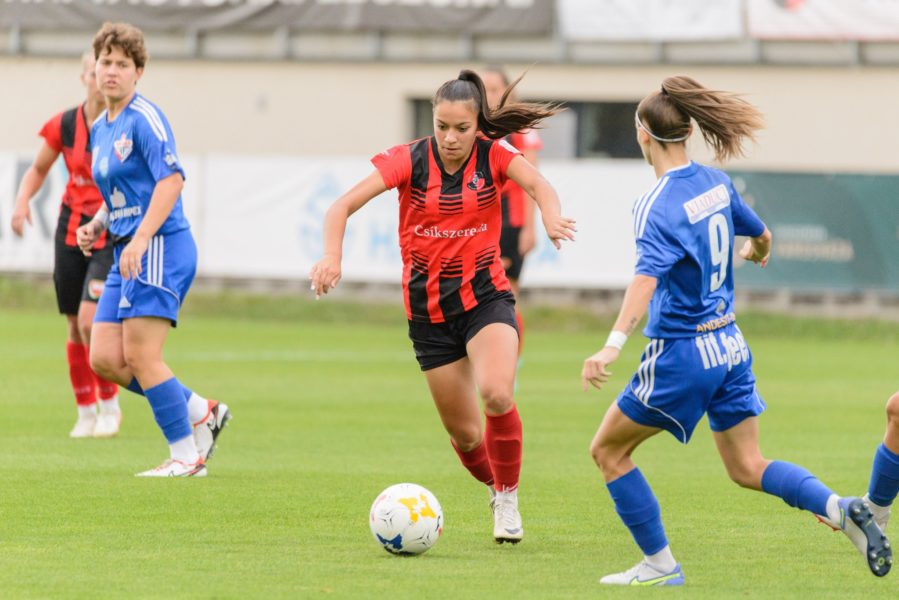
(893, 409)
(610, 459)
(73, 330)
(467, 438)
(84, 331)
(747, 471)
(103, 366)
(497, 399)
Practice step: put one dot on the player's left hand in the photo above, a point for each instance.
(559, 228)
(129, 260)
(750, 252)
(595, 372)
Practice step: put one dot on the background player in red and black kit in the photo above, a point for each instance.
(78, 278)
(518, 235)
(460, 310)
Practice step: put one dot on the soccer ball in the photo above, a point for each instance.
(406, 519)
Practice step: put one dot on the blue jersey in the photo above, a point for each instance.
(130, 154)
(685, 227)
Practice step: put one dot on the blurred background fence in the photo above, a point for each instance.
(278, 104)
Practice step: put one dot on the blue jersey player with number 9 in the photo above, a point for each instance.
(697, 361)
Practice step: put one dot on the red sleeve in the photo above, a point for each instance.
(394, 164)
(51, 132)
(501, 154)
(528, 139)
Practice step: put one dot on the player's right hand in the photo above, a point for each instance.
(86, 236)
(19, 216)
(325, 275)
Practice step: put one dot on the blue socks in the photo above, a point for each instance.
(135, 387)
(884, 477)
(638, 508)
(170, 409)
(796, 486)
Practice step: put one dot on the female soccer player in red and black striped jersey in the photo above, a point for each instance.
(79, 279)
(460, 310)
(518, 235)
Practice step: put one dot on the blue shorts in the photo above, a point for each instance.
(680, 379)
(167, 270)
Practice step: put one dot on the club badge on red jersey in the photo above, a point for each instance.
(477, 181)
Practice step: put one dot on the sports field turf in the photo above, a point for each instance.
(329, 408)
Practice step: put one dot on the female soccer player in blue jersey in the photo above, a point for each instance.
(460, 310)
(697, 360)
(137, 169)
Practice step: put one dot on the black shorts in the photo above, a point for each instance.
(79, 278)
(508, 245)
(438, 344)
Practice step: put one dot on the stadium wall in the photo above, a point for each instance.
(820, 119)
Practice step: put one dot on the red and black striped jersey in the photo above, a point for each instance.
(449, 225)
(69, 134)
(513, 195)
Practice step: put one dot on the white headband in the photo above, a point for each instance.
(654, 136)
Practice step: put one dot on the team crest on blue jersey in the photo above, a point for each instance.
(477, 181)
(123, 147)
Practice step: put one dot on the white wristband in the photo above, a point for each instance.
(616, 339)
(102, 217)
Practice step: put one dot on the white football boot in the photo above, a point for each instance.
(857, 522)
(506, 518)
(176, 468)
(207, 430)
(108, 424)
(84, 427)
(644, 574)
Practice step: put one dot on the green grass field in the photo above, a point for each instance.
(329, 408)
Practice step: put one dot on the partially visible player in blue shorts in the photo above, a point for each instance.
(697, 361)
(137, 170)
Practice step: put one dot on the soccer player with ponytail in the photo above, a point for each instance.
(697, 360)
(458, 303)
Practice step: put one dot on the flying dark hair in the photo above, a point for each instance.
(505, 118)
(724, 118)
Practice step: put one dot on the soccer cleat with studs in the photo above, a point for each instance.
(857, 522)
(207, 430)
(644, 574)
(506, 518)
(176, 468)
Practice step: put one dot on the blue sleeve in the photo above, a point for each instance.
(746, 222)
(658, 248)
(157, 144)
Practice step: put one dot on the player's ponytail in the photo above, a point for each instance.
(724, 118)
(505, 118)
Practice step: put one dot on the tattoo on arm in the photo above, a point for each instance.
(630, 326)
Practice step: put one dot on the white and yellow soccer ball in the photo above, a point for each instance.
(406, 519)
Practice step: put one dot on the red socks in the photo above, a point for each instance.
(106, 390)
(503, 441)
(80, 374)
(476, 462)
(87, 385)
